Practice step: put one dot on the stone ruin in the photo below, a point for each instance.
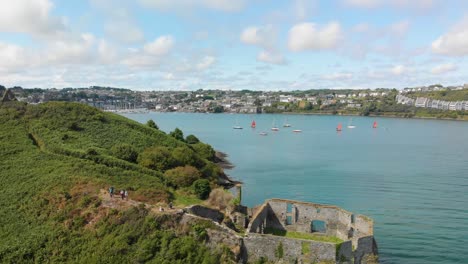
(281, 215)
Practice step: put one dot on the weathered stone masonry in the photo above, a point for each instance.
(288, 215)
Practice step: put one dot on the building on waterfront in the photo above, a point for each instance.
(421, 102)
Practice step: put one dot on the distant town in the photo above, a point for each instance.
(406, 102)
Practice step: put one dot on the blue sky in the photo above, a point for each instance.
(225, 44)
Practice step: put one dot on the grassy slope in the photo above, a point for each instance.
(48, 199)
(447, 95)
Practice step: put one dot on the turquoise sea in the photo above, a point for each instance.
(409, 175)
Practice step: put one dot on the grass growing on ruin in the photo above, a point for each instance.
(298, 235)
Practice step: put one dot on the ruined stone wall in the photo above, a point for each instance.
(206, 212)
(305, 251)
(258, 221)
(339, 223)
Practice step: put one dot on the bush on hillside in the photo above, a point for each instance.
(177, 134)
(191, 139)
(125, 152)
(202, 188)
(186, 156)
(157, 158)
(204, 150)
(182, 176)
(152, 124)
(220, 198)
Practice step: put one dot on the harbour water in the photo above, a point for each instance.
(409, 175)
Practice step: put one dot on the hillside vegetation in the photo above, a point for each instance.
(446, 95)
(55, 158)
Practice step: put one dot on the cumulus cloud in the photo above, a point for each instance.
(206, 63)
(160, 46)
(363, 3)
(29, 16)
(271, 57)
(418, 5)
(220, 5)
(338, 76)
(454, 42)
(264, 37)
(303, 8)
(259, 36)
(308, 36)
(399, 70)
(444, 68)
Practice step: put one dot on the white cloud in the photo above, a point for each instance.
(220, 5)
(259, 36)
(399, 29)
(454, 42)
(361, 28)
(419, 5)
(304, 8)
(160, 46)
(29, 16)
(399, 70)
(338, 76)
(13, 57)
(444, 68)
(206, 63)
(363, 3)
(71, 50)
(271, 57)
(307, 36)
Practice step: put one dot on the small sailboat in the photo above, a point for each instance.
(286, 124)
(374, 125)
(237, 125)
(350, 125)
(263, 133)
(297, 131)
(274, 127)
(339, 127)
(253, 125)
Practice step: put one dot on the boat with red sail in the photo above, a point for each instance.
(253, 125)
(339, 127)
(374, 125)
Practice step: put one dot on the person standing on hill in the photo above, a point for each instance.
(122, 194)
(126, 194)
(111, 191)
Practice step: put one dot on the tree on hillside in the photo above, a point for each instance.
(152, 124)
(191, 139)
(177, 134)
(157, 158)
(182, 176)
(126, 152)
(202, 188)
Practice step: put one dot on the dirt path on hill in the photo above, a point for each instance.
(116, 202)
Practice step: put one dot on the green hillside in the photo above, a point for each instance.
(56, 158)
(446, 95)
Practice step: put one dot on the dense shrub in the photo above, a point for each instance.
(152, 124)
(202, 188)
(191, 139)
(182, 176)
(125, 151)
(157, 158)
(177, 134)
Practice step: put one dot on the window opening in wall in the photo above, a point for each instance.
(351, 233)
(353, 218)
(288, 220)
(318, 226)
(289, 207)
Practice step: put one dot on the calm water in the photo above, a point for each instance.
(410, 176)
